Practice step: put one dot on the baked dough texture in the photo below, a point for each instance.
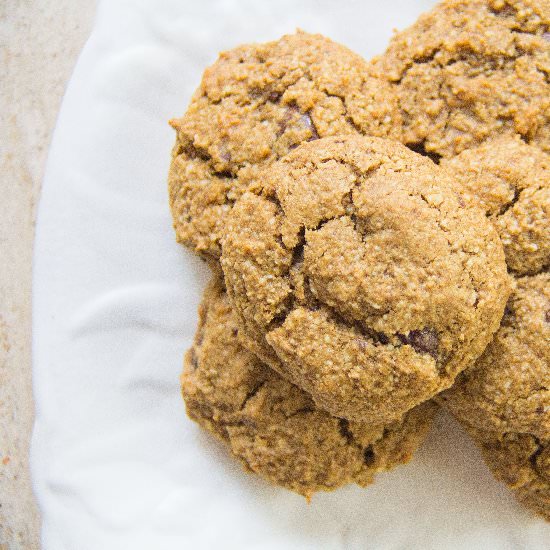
(361, 276)
(510, 181)
(522, 462)
(508, 388)
(504, 399)
(254, 105)
(274, 428)
(470, 70)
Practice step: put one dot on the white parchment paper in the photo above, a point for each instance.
(116, 464)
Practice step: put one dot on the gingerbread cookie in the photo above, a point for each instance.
(470, 70)
(254, 105)
(274, 428)
(359, 275)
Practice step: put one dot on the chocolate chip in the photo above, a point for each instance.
(194, 359)
(422, 341)
(547, 316)
(194, 152)
(368, 456)
(224, 174)
(273, 96)
(343, 426)
(290, 112)
(234, 332)
(375, 338)
(306, 121)
(539, 409)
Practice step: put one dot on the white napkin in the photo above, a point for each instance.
(116, 463)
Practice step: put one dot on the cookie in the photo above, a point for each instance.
(358, 274)
(504, 399)
(470, 70)
(508, 389)
(510, 180)
(273, 427)
(254, 105)
(522, 462)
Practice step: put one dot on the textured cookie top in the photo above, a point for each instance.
(469, 70)
(508, 389)
(256, 103)
(510, 180)
(275, 428)
(358, 274)
(522, 461)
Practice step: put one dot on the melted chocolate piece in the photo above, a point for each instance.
(422, 341)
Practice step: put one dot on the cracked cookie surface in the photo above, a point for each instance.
(358, 274)
(504, 399)
(470, 70)
(510, 180)
(272, 426)
(255, 104)
(508, 388)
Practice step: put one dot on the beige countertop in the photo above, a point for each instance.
(39, 42)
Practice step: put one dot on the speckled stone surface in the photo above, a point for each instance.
(40, 41)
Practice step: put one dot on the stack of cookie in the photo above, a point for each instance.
(379, 238)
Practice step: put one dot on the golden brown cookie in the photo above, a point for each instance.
(521, 461)
(273, 427)
(470, 70)
(256, 103)
(508, 389)
(358, 275)
(504, 399)
(510, 180)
